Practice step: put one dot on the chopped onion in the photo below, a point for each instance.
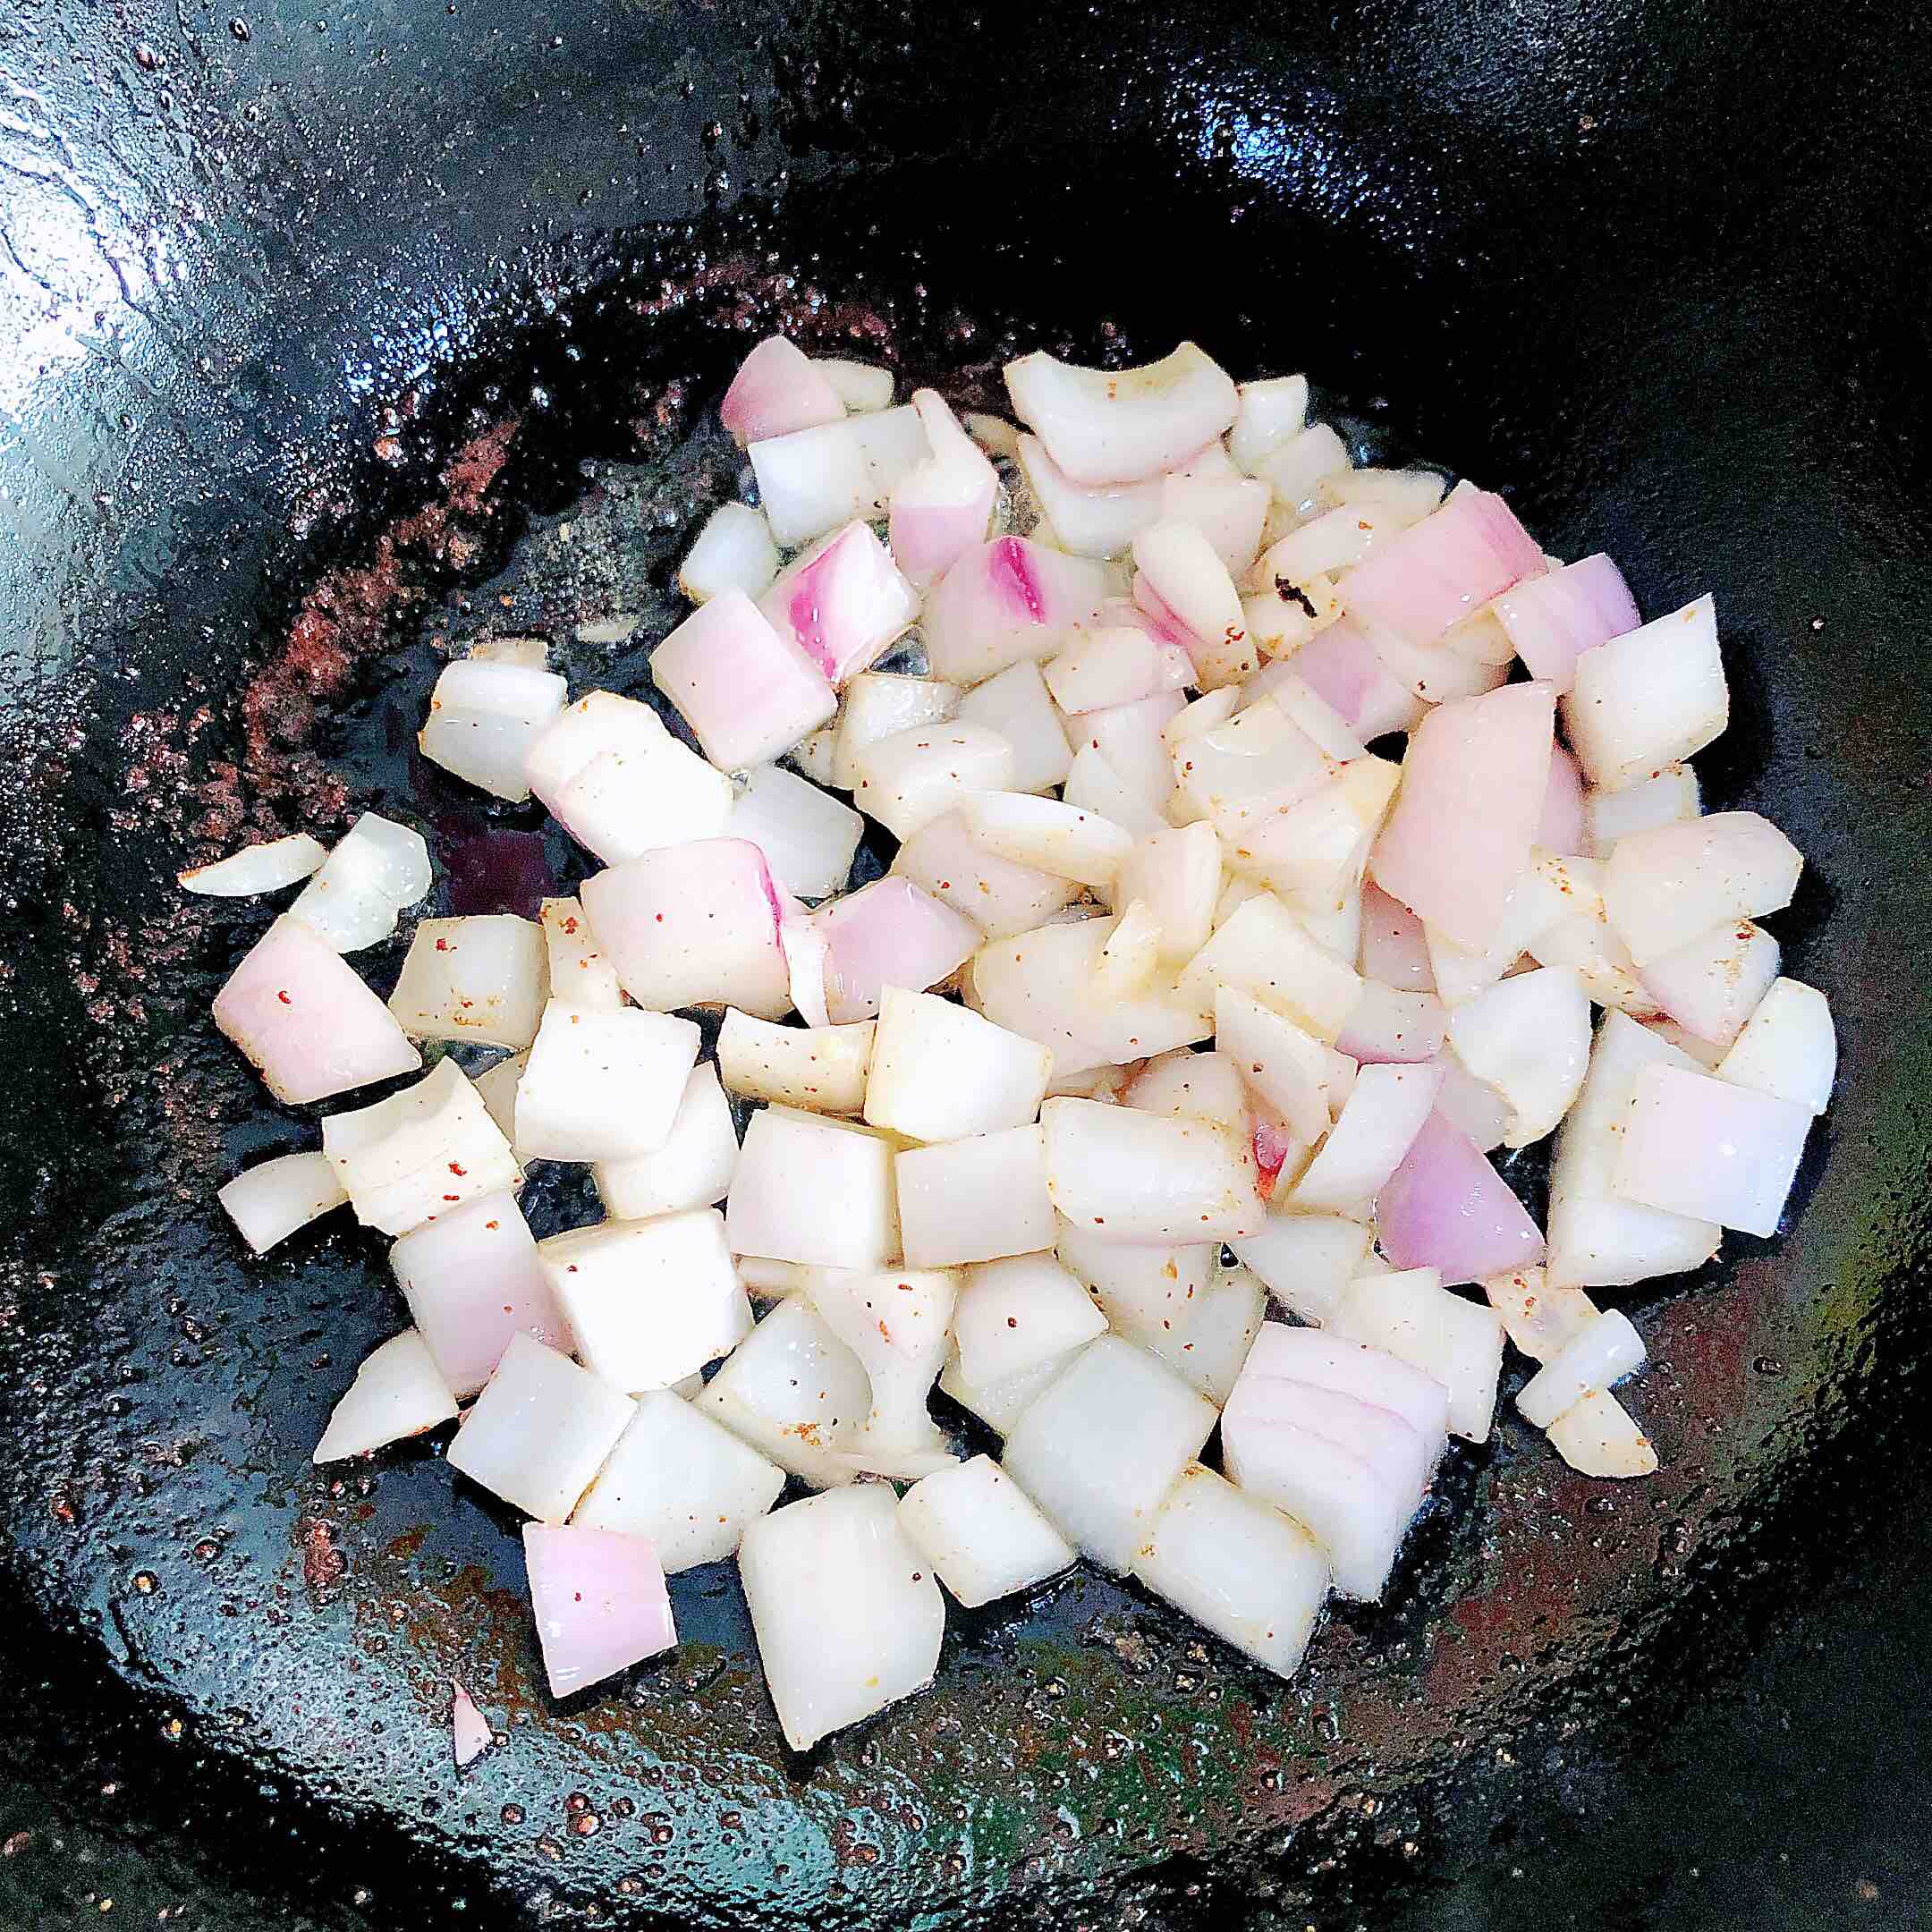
(807, 836)
(1342, 664)
(1016, 1313)
(1649, 699)
(1253, 1576)
(683, 1481)
(1000, 1404)
(896, 1323)
(977, 1199)
(981, 1532)
(485, 714)
(1454, 1341)
(397, 1391)
(1142, 1290)
(1711, 986)
(694, 925)
(1598, 1239)
(481, 978)
(1286, 1067)
(846, 1611)
(1298, 468)
(1404, 496)
(1114, 664)
(1697, 1146)
(272, 1200)
(541, 1430)
(357, 893)
(421, 1152)
(877, 705)
(1596, 1436)
(1264, 950)
(1602, 1351)
(735, 551)
(1177, 874)
(472, 1280)
(812, 481)
(1371, 1137)
(747, 692)
(693, 1168)
(778, 389)
(1184, 584)
(1006, 601)
(999, 897)
(1136, 1177)
(940, 508)
(469, 1730)
(1539, 1317)
(581, 973)
(649, 1302)
(1307, 1261)
(1530, 1039)
(794, 1392)
(1446, 1208)
(1343, 1438)
(861, 386)
(940, 1072)
(889, 933)
(603, 1084)
(1389, 1027)
(813, 1190)
(914, 777)
(1667, 887)
(599, 1603)
(1100, 1447)
(1663, 799)
(821, 1069)
(1562, 830)
(1788, 1048)
(1394, 949)
(842, 602)
(1444, 568)
(256, 868)
(1471, 797)
(1119, 426)
(1267, 414)
(1016, 705)
(1207, 1345)
(1047, 835)
(1553, 619)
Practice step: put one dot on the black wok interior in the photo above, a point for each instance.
(319, 322)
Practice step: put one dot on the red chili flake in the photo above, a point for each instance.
(660, 918)
(458, 1169)
(570, 925)
(453, 1197)
(441, 945)
(285, 1000)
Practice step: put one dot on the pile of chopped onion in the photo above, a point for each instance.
(1246, 901)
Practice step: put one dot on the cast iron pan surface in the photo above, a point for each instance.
(333, 332)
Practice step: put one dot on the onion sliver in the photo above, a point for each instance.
(1663, 888)
(1412, 1316)
(357, 893)
(1788, 1048)
(485, 714)
(1007, 600)
(1649, 699)
(271, 1200)
(1602, 1351)
(397, 1391)
(1443, 568)
(778, 389)
(1307, 1261)
(1016, 704)
(1551, 620)
(735, 551)
(693, 1168)
(940, 508)
(256, 868)
(889, 933)
(1119, 426)
(1136, 1177)
(807, 836)
(895, 1323)
(821, 1069)
(1596, 1436)
(470, 1735)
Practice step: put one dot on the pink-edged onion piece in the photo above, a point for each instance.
(599, 1601)
(1471, 798)
(1446, 1208)
(940, 510)
(1006, 601)
(695, 925)
(1342, 666)
(300, 1012)
(1649, 699)
(778, 388)
(1562, 829)
(843, 603)
(256, 868)
(746, 691)
(889, 933)
(1444, 568)
(1553, 619)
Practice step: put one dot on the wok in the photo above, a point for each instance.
(319, 324)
